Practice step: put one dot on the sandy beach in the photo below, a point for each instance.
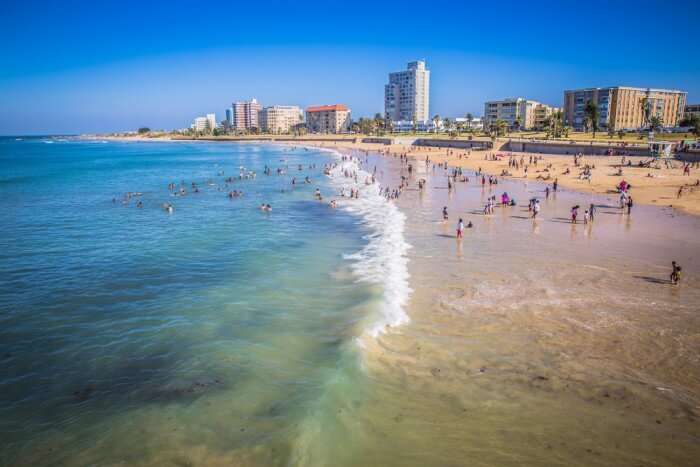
(538, 342)
(657, 185)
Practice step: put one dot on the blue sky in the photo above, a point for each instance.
(71, 67)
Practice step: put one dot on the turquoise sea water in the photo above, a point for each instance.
(215, 333)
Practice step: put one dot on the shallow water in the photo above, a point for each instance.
(218, 334)
(221, 335)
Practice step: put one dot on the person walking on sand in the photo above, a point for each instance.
(675, 273)
(460, 228)
(555, 185)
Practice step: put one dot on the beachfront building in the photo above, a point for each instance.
(229, 116)
(542, 112)
(475, 124)
(408, 126)
(200, 124)
(518, 113)
(245, 115)
(407, 96)
(624, 108)
(328, 119)
(692, 110)
(211, 121)
(280, 119)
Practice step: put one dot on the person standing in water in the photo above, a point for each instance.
(535, 208)
(460, 228)
(444, 213)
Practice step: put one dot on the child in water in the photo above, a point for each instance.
(460, 228)
(444, 213)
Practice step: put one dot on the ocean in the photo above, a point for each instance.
(216, 334)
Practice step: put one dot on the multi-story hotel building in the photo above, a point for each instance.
(624, 108)
(280, 118)
(517, 113)
(207, 123)
(245, 115)
(200, 124)
(407, 96)
(328, 118)
(211, 121)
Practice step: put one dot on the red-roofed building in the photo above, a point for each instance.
(328, 118)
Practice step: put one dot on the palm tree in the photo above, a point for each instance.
(591, 111)
(378, 122)
(611, 130)
(499, 128)
(645, 104)
(436, 121)
(655, 123)
(469, 118)
(448, 124)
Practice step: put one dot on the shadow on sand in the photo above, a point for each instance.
(654, 280)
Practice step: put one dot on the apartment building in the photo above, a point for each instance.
(328, 118)
(624, 108)
(407, 95)
(200, 124)
(280, 119)
(518, 113)
(211, 121)
(245, 115)
(692, 109)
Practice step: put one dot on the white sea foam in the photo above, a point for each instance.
(383, 260)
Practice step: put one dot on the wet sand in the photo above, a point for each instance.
(539, 342)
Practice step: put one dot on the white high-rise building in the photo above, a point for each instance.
(200, 124)
(211, 121)
(245, 115)
(407, 96)
(280, 118)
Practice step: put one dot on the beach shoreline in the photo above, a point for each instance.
(542, 322)
(657, 185)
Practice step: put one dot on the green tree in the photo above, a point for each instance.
(436, 121)
(611, 130)
(592, 114)
(469, 118)
(143, 130)
(379, 123)
(655, 123)
(645, 104)
(498, 128)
